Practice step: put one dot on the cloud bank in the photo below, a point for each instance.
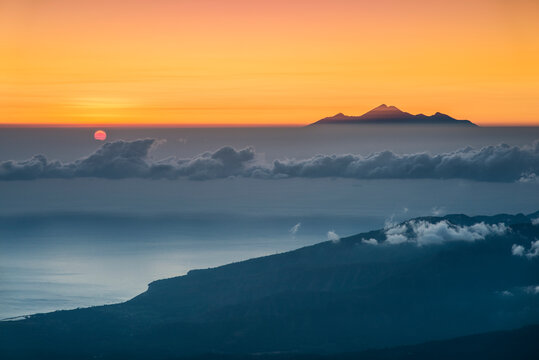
(129, 159)
(423, 233)
(492, 163)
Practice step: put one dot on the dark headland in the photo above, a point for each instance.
(390, 115)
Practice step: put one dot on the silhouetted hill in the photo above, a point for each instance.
(429, 278)
(386, 115)
(512, 344)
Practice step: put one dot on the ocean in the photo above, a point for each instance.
(68, 243)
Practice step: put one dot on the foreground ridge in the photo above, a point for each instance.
(425, 279)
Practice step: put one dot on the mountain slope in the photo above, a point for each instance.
(512, 344)
(426, 279)
(385, 115)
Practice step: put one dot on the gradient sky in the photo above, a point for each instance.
(250, 62)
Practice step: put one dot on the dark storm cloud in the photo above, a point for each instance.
(129, 159)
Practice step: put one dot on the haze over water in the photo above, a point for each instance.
(66, 243)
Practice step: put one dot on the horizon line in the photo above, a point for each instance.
(230, 125)
(145, 125)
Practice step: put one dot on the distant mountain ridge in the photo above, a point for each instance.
(390, 115)
(366, 291)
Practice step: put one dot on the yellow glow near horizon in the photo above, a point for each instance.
(245, 62)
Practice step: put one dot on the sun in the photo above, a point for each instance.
(100, 135)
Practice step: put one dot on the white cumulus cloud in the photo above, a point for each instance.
(422, 232)
(532, 252)
(333, 236)
(370, 241)
(517, 250)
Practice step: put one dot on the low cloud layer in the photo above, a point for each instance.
(424, 233)
(129, 159)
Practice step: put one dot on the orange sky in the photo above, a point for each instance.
(254, 62)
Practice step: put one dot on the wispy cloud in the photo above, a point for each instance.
(333, 236)
(437, 211)
(294, 229)
(520, 291)
(533, 289)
